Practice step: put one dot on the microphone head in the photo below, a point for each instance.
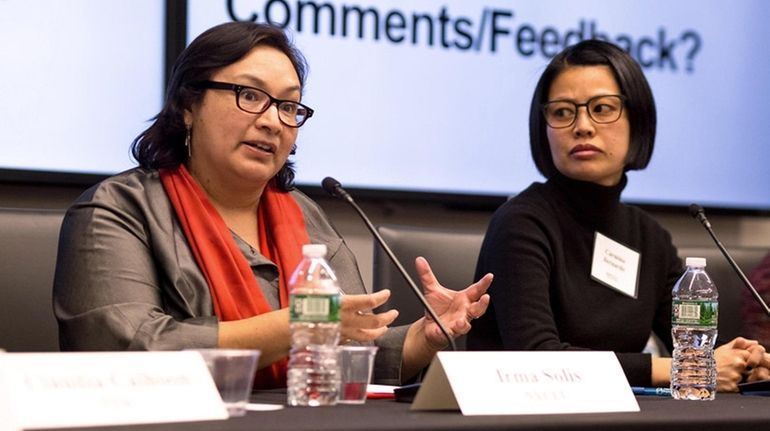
(331, 186)
(696, 211)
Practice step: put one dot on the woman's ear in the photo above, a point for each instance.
(188, 119)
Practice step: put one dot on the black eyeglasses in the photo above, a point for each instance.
(256, 101)
(601, 109)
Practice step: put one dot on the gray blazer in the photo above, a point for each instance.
(126, 278)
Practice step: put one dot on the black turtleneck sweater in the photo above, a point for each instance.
(539, 245)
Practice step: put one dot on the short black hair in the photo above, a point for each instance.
(162, 144)
(639, 102)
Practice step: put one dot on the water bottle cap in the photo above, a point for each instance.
(696, 262)
(314, 250)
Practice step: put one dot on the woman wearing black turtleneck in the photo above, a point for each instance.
(542, 245)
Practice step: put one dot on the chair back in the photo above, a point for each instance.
(28, 247)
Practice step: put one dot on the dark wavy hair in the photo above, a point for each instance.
(162, 144)
(639, 103)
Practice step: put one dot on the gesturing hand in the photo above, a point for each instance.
(358, 322)
(456, 309)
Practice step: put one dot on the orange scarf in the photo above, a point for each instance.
(234, 289)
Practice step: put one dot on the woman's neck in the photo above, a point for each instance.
(236, 204)
(225, 193)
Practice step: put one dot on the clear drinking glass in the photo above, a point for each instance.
(356, 363)
(233, 372)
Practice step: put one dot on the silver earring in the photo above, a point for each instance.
(187, 142)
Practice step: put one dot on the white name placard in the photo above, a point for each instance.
(59, 390)
(7, 421)
(506, 383)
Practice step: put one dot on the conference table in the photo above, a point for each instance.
(727, 412)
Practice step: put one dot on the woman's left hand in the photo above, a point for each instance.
(759, 368)
(456, 309)
(740, 360)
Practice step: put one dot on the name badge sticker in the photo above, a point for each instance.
(615, 265)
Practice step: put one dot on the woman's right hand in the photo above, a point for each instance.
(358, 322)
(735, 360)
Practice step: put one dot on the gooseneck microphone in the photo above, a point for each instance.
(334, 188)
(698, 213)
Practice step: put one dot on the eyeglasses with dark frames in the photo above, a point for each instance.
(602, 109)
(256, 101)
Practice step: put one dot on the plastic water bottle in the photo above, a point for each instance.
(694, 330)
(314, 305)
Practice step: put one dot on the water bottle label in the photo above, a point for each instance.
(694, 313)
(314, 308)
